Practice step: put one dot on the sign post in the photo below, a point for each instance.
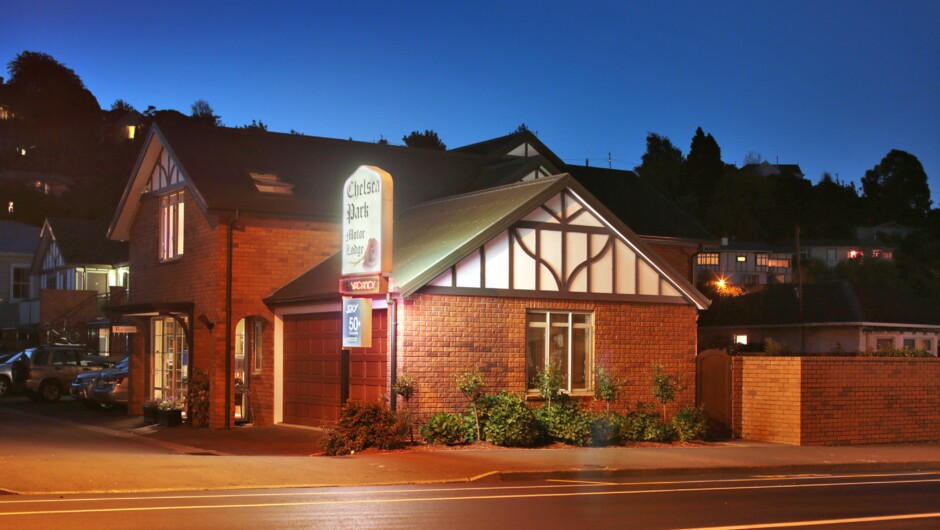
(366, 254)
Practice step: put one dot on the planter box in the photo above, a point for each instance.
(170, 418)
(150, 413)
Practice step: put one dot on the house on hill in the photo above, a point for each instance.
(505, 259)
(79, 272)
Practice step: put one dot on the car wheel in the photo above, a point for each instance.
(50, 392)
(6, 386)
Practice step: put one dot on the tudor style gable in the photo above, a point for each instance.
(563, 248)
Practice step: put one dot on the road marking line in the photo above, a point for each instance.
(461, 498)
(320, 493)
(856, 520)
(585, 482)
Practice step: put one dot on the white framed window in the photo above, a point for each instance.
(172, 209)
(762, 260)
(707, 261)
(564, 340)
(20, 282)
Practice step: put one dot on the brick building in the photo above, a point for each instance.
(232, 231)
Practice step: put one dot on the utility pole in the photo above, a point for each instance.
(799, 287)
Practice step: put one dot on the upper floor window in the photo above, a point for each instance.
(171, 225)
(707, 261)
(20, 278)
(561, 340)
(830, 254)
(762, 261)
(778, 263)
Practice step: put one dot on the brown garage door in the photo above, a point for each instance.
(312, 345)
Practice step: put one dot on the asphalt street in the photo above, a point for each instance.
(882, 500)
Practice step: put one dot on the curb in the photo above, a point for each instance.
(780, 469)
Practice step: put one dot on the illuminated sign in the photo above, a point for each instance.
(367, 222)
(363, 285)
(357, 323)
(124, 329)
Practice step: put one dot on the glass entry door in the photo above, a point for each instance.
(170, 360)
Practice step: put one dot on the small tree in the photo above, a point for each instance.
(606, 387)
(405, 387)
(471, 385)
(665, 387)
(549, 382)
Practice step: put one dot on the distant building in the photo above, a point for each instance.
(745, 264)
(17, 245)
(835, 317)
(766, 169)
(879, 241)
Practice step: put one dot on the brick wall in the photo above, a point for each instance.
(678, 256)
(441, 336)
(766, 404)
(837, 400)
(267, 253)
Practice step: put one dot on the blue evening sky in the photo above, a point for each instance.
(830, 85)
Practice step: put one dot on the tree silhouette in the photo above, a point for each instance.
(202, 112)
(427, 140)
(896, 189)
(663, 166)
(46, 92)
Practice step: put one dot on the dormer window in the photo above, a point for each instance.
(271, 183)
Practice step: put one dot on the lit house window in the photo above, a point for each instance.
(740, 339)
(562, 340)
(778, 263)
(707, 261)
(171, 226)
(762, 262)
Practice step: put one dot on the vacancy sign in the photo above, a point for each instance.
(367, 222)
(357, 323)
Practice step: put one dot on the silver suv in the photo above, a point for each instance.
(52, 369)
(13, 371)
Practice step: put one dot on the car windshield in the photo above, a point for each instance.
(23, 355)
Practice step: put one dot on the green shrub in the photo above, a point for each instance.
(896, 352)
(644, 425)
(365, 424)
(510, 422)
(690, 423)
(605, 429)
(444, 428)
(565, 421)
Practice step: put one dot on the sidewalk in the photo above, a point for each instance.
(184, 458)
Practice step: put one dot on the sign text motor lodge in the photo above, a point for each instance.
(367, 222)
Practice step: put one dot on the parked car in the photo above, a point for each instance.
(111, 389)
(52, 369)
(13, 372)
(85, 382)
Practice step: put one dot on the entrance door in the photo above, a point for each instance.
(312, 370)
(170, 359)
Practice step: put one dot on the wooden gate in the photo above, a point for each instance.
(713, 388)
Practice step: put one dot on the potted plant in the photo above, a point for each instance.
(151, 406)
(170, 413)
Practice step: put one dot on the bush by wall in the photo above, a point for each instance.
(362, 425)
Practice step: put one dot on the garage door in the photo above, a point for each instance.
(312, 383)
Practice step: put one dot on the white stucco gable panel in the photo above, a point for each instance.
(562, 247)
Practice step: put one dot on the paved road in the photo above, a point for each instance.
(883, 500)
